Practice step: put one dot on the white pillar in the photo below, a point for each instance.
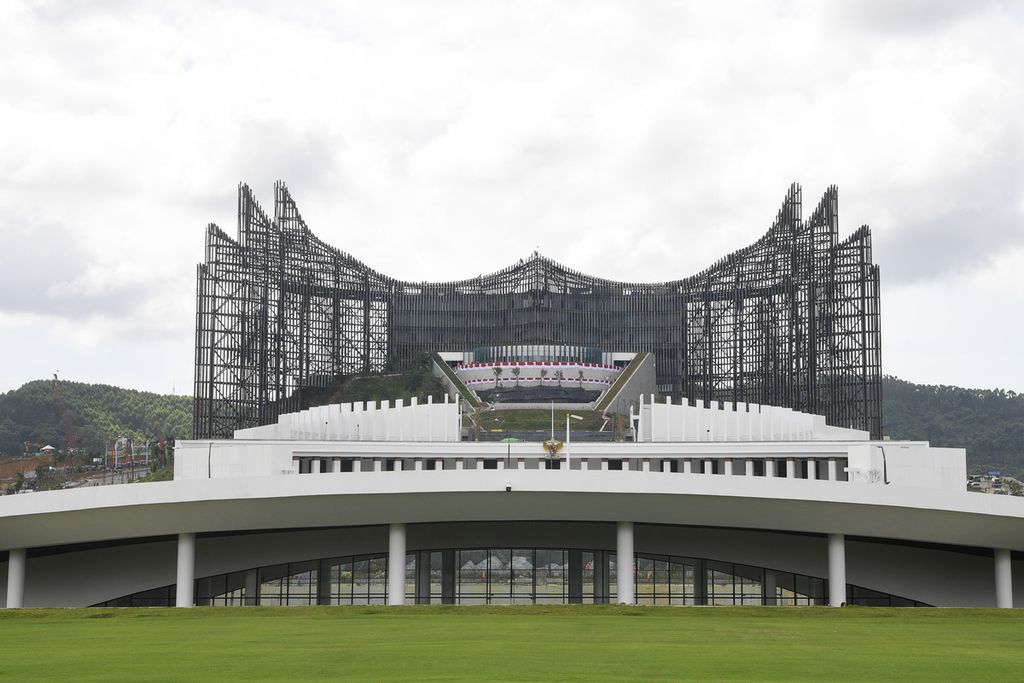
(727, 466)
(396, 564)
(832, 470)
(748, 467)
(812, 469)
(624, 563)
(186, 570)
(1004, 579)
(791, 468)
(16, 578)
(836, 570)
(314, 466)
(709, 467)
(769, 468)
(687, 466)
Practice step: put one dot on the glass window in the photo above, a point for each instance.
(378, 580)
(552, 576)
(588, 576)
(341, 583)
(522, 570)
(521, 575)
(644, 581)
(436, 576)
(361, 582)
(471, 576)
(499, 571)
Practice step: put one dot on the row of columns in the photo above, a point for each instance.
(625, 579)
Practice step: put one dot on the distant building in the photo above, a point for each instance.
(791, 320)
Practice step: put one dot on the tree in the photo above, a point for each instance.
(581, 378)
(543, 374)
(515, 373)
(559, 375)
(497, 374)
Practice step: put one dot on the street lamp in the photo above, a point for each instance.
(567, 416)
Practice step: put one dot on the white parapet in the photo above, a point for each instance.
(668, 422)
(369, 421)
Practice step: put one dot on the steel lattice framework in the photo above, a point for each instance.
(791, 320)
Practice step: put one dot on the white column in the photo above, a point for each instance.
(836, 570)
(832, 470)
(709, 467)
(769, 468)
(1004, 579)
(396, 564)
(624, 582)
(314, 466)
(812, 469)
(186, 570)
(791, 468)
(727, 466)
(687, 466)
(16, 578)
(748, 467)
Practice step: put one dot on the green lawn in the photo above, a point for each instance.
(512, 643)
(539, 419)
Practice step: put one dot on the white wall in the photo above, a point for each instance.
(366, 421)
(723, 421)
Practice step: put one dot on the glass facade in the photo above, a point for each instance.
(510, 576)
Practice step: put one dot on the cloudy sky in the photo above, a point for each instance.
(636, 141)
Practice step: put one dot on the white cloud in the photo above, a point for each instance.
(632, 141)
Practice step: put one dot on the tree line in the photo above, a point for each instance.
(30, 417)
(989, 423)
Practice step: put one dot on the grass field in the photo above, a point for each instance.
(511, 643)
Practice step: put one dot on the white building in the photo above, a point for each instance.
(358, 503)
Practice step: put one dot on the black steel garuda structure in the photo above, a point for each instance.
(791, 320)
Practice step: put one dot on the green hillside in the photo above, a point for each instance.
(416, 382)
(98, 413)
(989, 423)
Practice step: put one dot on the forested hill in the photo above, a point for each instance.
(98, 413)
(989, 423)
